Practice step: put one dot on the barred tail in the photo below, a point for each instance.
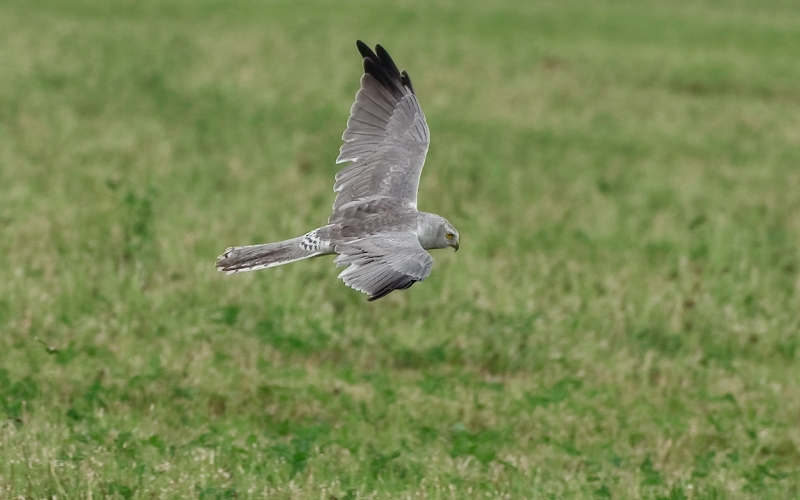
(254, 257)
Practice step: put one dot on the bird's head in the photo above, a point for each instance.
(445, 235)
(449, 236)
(434, 231)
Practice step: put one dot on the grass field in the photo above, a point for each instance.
(622, 320)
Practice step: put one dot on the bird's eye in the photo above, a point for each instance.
(449, 236)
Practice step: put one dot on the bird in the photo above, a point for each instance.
(375, 229)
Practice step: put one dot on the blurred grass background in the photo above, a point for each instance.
(621, 321)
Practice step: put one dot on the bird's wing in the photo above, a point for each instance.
(382, 263)
(386, 137)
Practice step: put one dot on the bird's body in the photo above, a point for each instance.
(375, 228)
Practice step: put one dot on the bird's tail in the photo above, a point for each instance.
(255, 257)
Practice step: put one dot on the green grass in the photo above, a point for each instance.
(622, 321)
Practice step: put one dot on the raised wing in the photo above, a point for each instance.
(382, 263)
(386, 137)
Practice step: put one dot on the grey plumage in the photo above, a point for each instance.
(375, 227)
(386, 137)
(255, 257)
(385, 262)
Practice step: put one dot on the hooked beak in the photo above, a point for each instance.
(456, 246)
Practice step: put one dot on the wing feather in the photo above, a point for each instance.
(382, 263)
(386, 138)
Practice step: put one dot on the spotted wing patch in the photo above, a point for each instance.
(314, 242)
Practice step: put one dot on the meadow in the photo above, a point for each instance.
(622, 319)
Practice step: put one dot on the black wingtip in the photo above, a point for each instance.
(364, 49)
(381, 66)
(389, 289)
(406, 81)
(386, 61)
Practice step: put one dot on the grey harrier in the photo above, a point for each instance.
(375, 228)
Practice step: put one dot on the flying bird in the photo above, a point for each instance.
(375, 229)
